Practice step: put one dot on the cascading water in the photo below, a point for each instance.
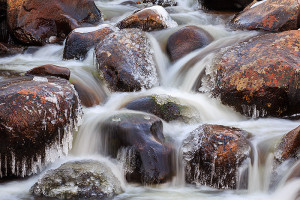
(178, 79)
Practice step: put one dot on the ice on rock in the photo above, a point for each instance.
(164, 16)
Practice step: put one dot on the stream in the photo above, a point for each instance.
(178, 79)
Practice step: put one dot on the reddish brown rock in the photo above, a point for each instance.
(88, 97)
(50, 70)
(186, 40)
(212, 155)
(36, 22)
(126, 61)
(289, 146)
(150, 159)
(270, 15)
(78, 42)
(225, 5)
(9, 49)
(37, 116)
(148, 19)
(261, 77)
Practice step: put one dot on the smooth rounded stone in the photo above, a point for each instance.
(225, 5)
(149, 19)
(212, 155)
(186, 40)
(137, 139)
(288, 147)
(270, 15)
(9, 49)
(37, 118)
(50, 70)
(126, 61)
(88, 97)
(166, 107)
(260, 77)
(163, 3)
(35, 22)
(81, 40)
(86, 179)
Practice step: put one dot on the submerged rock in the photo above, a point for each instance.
(270, 15)
(149, 19)
(86, 179)
(225, 5)
(81, 40)
(260, 77)
(151, 160)
(126, 61)
(50, 70)
(186, 40)
(37, 117)
(212, 155)
(166, 107)
(36, 22)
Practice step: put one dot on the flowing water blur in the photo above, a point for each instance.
(179, 79)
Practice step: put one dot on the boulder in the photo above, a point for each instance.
(260, 77)
(212, 155)
(186, 40)
(288, 147)
(163, 3)
(36, 22)
(50, 70)
(126, 61)
(86, 179)
(10, 49)
(166, 107)
(142, 133)
(148, 19)
(81, 40)
(270, 15)
(225, 5)
(37, 117)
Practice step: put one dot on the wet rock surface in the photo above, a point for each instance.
(35, 22)
(79, 43)
(186, 40)
(86, 179)
(260, 77)
(126, 61)
(212, 155)
(50, 70)
(289, 146)
(37, 117)
(151, 158)
(271, 15)
(166, 107)
(148, 19)
(9, 49)
(225, 5)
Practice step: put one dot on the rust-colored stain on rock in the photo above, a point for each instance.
(271, 15)
(262, 72)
